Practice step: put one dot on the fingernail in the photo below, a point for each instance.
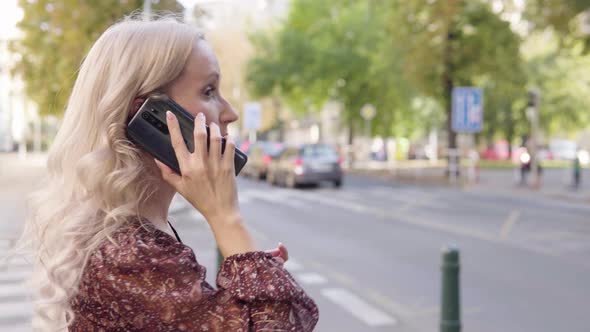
(168, 115)
(201, 115)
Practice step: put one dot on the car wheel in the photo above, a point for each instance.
(270, 178)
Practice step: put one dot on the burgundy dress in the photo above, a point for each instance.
(153, 282)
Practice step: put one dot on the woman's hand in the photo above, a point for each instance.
(280, 253)
(208, 178)
(208, 182)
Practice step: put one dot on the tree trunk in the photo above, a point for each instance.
(448, 95)
(510, 130)
(280, 125)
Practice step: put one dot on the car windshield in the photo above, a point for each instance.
(319, 150)
(272, 149)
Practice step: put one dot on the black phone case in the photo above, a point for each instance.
(148, 129)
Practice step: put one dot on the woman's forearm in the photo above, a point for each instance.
(231, 235)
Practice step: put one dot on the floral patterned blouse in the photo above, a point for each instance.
(152, 282)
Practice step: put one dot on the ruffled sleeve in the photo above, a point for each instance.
(276, 300)
(153, 283)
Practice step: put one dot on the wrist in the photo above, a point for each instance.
(231, 235)
(226, 219)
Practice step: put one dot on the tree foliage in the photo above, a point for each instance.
(56, 36)
(562, 76)
(462, 43)
(331, 50)
(405, 56)
(563, 16)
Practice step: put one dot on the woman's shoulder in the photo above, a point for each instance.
(138, 243)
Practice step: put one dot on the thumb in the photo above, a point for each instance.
(169, 175)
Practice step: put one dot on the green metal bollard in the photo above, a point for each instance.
(450, 317)
(219, 258)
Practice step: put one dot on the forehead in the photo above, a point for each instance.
(202, 62)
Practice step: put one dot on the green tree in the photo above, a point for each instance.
(562, 76)
(56, 36)
(335, 50)
(565, 17)
(452, 43)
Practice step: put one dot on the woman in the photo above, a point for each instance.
(108, 258)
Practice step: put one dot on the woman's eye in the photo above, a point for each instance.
(209, 92)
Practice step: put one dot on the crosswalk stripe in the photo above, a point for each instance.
(293, 266)
(14, 262)
(13, 290)
(276, 197)
(15, 311)
(14, 275)
(311, 278)
(358, 307)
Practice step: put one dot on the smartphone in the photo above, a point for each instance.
(148, 129)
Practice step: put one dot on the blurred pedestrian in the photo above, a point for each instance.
(525, 166)
(577, 172)
(107, 257)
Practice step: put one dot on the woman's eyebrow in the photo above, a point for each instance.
(214, 75)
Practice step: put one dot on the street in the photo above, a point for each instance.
(369, 253)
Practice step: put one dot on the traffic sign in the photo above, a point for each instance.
(252, 116)
(467, 112)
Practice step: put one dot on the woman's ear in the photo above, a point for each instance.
(137, 102)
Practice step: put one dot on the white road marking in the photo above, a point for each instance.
(15, 310)
(358, 307)
(388, 304)
(13, 290)
(12, 275)
(14, 262)
(293, 266)
(244, 198)
(311, 278)
(508, 224)
(276, 197)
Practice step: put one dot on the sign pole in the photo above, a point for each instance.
(466, 118)
(368, 112)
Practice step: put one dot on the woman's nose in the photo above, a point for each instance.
(229, 114)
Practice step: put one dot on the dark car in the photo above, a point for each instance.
(260, 155)
(306, 164)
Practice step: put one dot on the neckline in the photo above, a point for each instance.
(146, 222)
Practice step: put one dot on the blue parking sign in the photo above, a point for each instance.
(467, 115)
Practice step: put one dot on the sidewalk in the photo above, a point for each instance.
(18, 178)
(556, 181)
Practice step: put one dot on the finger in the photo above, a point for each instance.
(284, 252)
(276, 254)
(200, 137)
(178, 144)
(214, 144)
(228, 155)
(169, 175)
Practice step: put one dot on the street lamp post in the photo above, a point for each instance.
(533, 116)
(368, 112)
(147, 10)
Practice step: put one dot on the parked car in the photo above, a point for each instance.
(306, 164)
(260, 155)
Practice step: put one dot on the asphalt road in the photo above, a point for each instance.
(369, 254)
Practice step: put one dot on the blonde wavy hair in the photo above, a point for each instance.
(96, 178)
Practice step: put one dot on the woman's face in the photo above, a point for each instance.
(197, 88)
